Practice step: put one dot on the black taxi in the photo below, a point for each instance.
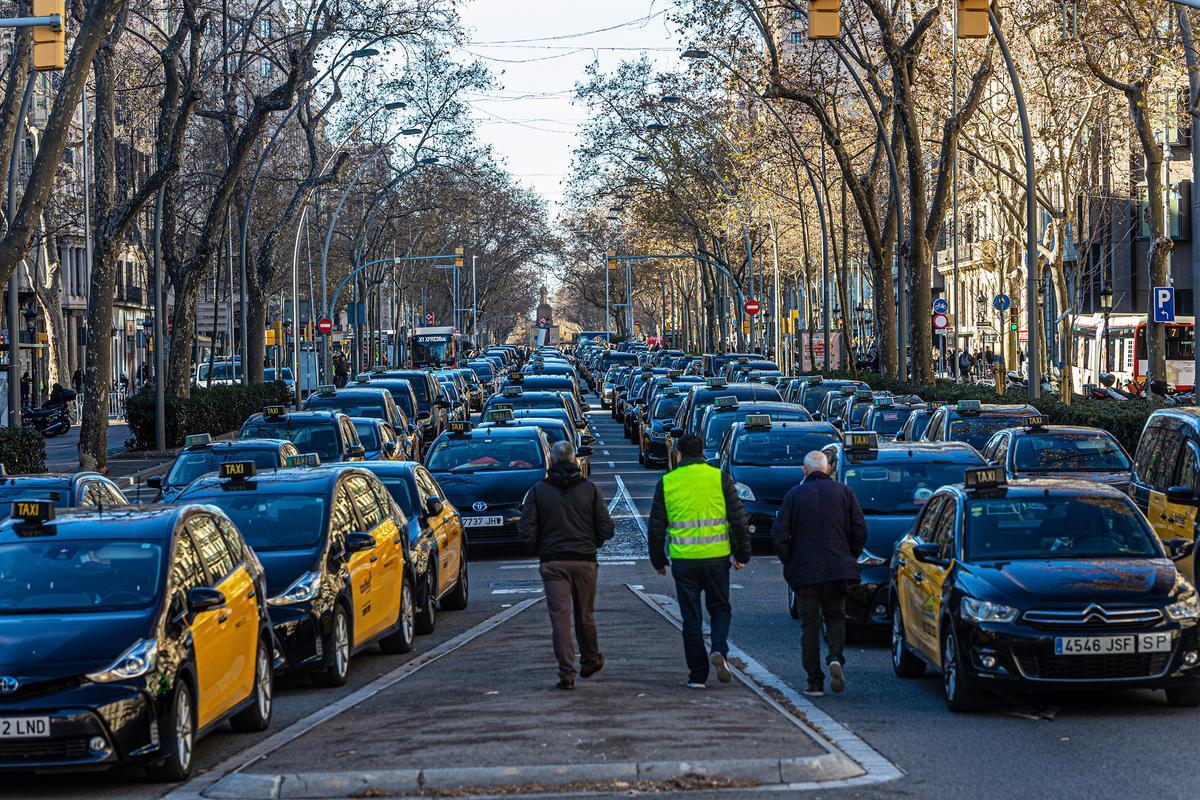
(64, 490)
(892, 483)
(974, 422)
(1040, 450)
(918, 421)
(335, 552)
(329, 434)
(887, 415)
(1042, 584)
(128, 634)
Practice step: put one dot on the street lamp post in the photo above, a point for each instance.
(30, 313)
(1106, 305)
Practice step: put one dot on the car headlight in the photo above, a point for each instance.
(302, 590)
(985, 611)
(1187, 607)
(869, 559)
(658, 436)
(133, 663)
(744, 492)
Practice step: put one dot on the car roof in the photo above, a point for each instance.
(903, 451)
(1043, 429)
(997, 408)
(1043, 487)
(257, 443)
(289, 480)
(354, 390)
(814, 427)
(151, 522)
(389, 468)
(308, 415)
(504, 431)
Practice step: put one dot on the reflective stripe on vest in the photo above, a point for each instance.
(696, 522)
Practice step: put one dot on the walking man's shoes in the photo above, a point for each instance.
(837, 677)
(565, 683)
(814, 690)
(591, 669)
(719, 663)
(695, 685)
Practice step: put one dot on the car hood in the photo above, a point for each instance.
(503, 488)
(769, 484)
(1025, 584)
(283, 567)
(38, 647)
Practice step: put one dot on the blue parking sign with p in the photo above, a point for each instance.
(1164, 304)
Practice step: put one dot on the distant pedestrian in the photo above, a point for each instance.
(77, 380)
(565, 521)
(819, 534)
(699, 521)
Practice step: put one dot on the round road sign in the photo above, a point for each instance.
(752, 307)
(940, 322)
(941, 305)
(1001, 302)
(325, 326)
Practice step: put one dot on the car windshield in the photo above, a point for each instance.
(816, 394)
(1009, 528)
(889, 421)
(272, 521)
(901, 487)
(28, 490)
(191, 464)
(320, 437)
(976, 430)
(858, 411)
(73, 575)
(218, 372)
(778, 448)
(1053, 452)
(527, 402)
(666, 407)
(483, 370)
(920, 424)
(721, 421)
(480, 454)
(554, 431)
(349, 405)
(368, 434)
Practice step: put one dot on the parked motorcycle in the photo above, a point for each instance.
(51, 421)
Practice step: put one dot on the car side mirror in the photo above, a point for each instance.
(1179, 549)
(676, 432)
(422, 416)
(204, 598)
(391, 449)
(581, 424)
(930, 553)
(434, 506)
(356, 451)
(155, 482)
(586, 407)
(1181, 495)
(358, 542)
(583, 451)
(587, 440)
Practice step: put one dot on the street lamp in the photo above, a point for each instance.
(411, 132)
(1106, 305)
(657, 126)
(641, 159)
(671, 99)
(695, 53)
(30, 313)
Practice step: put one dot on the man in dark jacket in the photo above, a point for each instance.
(565, 520)
(818, 535)
(698, 517)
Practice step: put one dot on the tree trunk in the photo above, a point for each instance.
(183, 337)
(256, 337)
(97, 372)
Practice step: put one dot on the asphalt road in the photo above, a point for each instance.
(62, 452)
(1055, 746)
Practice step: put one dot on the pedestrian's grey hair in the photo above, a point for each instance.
(562, 453)
(816, 462)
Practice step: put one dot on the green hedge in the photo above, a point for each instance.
(214, 410)
(22, 451)
(1124, 420)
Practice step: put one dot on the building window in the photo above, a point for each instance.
(797, 37)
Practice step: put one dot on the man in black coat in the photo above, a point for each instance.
(818, 535)
(565, 521)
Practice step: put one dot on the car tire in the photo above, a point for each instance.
(257, 716)
(341, 648)
(961, 696)
(904, 663)
(460, 595)
(425, 618)
(401, 641)
(1184, 697)
(181, 741)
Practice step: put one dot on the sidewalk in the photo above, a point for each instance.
(488, 715)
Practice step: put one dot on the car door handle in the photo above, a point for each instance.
(252, 594)
(221, 619)
(374, 559)
(397, 540)
(918, 577)
(900, 562)
(1162, 516)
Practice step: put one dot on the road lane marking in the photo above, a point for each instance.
(522, 590)
(193, 789)
(624, 493)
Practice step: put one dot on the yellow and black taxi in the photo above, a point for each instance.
(833, 407)
(127, 634)
(887, 415)
(515, 398)
(765, 459)
(701, 396)
(652, 433)
(64, 490)
(892, 483)
(486, 473)
(556, 430)
(437, 547)
(1040, 450)
(201, 455)
(918, 421)
(812, 393)
(1042, 585)
(719, 417)
(412, 430)
(1165, 478)
(430, 400)
(333, 546)
(974, 422)
(329, 434)
(379, 440)
(357, 400)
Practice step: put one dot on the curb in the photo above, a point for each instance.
(769, 772)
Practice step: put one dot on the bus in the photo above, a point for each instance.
(440, 346)
(1127, 350)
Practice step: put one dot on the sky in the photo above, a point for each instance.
(534, 49)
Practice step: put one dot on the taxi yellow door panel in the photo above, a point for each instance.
(239, 593)
(929, 581)
(383, 561)
(210, 644)
(358, 565)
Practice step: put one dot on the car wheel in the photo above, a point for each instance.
(402, 640)
(257, 717)
(426, 617)
(960, 695)
(181, 740)
(338, 670)
(460, 595)
(904, 663)
(793, 603)
(1184, 697)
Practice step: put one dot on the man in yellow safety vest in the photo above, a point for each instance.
(698, 520)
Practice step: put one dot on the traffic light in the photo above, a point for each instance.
(972, 19)
(824, 19)
(49, 41)
(1014, 319)
(612, 260)
(458, 257)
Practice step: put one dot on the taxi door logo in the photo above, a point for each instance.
(9, 685)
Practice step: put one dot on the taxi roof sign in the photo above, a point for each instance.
(33, 512)
(1035, 421)
(272, 412)
(969, 406)
(197, 439)
(758, 421)
(728, 401)
(861, 441)
(513, 391)
(933, 404)
(237, 470)
(362, 377)
(464, 426)
(326, 389)
(815, 379)
(863, 394)
(500, 415)
(983, 480)
(849, 390)
(670, 391)
(715, 383)
(884, 400)
(302, 460)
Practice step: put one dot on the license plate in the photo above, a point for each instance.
(24, 727)
(1107, 645)
(482, 522)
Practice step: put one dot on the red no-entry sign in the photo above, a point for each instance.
(752, 307)
(324, 326)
